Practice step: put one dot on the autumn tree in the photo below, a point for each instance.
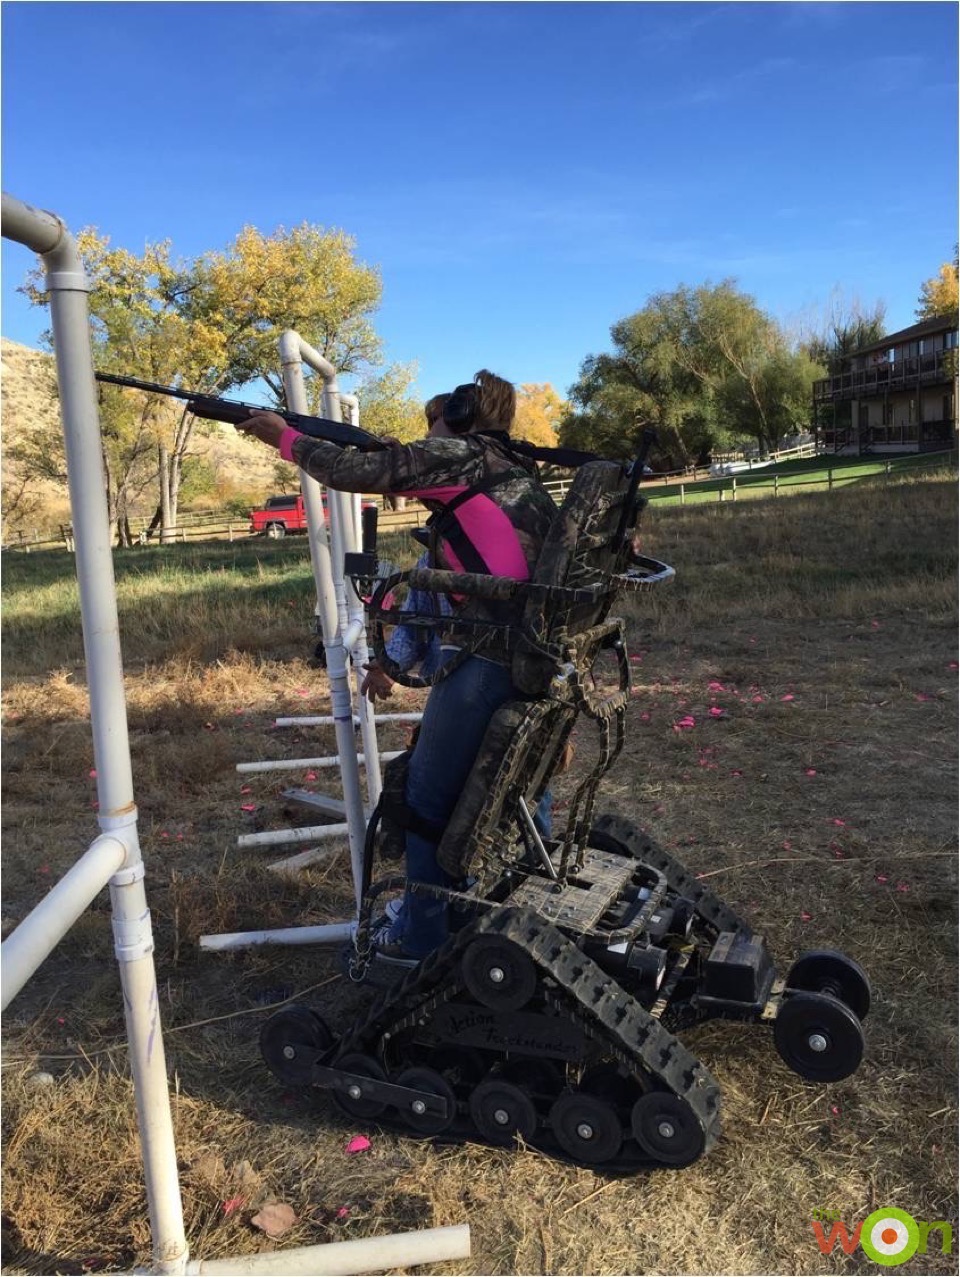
(387, 406)
(306, 279)
(210, 325)
(540, 411)
(939, 295)
(135, 330)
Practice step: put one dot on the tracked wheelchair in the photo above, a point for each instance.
(552, 1015)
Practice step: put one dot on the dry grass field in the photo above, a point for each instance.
(821, 802)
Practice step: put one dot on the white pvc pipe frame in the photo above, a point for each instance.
(114, 858)
(343, 625)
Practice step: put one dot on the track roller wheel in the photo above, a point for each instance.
(436, 1084)
(290, 1042)
(353, 1102)
(818, 1036)
(501, 1110)
(586, 1127)
(666, 1128)
(498, 974)
(827, 971)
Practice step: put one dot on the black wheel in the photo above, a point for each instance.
(827, 971)
(436, 1084)
(275, 531)
(586, 1127)
(290, 1042)
(498, 974)
(353, 1101)
(818, 1036)
(666, 1128)
(501, 1110)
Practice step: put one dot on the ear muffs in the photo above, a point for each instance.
(460, 410)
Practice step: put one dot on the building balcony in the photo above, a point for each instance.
(884, 378)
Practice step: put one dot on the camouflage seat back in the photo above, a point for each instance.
(520, 752)
(587, 543)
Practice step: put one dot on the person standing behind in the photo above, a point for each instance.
(415, 645)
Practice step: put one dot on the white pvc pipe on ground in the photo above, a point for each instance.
(366, 1255)
(328, 933)
(292, 764)
(302, 860)
(284, 837)
(327, 720)
(45, 926)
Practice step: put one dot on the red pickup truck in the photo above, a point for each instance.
(281, 515)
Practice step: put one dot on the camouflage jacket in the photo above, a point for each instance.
(506, 529)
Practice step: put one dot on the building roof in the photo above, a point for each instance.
(926, 328)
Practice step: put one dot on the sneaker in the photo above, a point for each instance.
(388, 947)
(391, 917)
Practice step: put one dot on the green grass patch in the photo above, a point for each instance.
(809, 473)
(198, 600)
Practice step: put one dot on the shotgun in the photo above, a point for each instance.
(210, 408)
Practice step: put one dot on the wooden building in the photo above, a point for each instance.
(897, 395)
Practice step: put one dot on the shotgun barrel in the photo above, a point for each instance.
(232, 413)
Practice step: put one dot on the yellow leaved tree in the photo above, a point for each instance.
(539, 413)
(211, 325)
(938, 296)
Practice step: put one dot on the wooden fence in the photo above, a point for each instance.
(828, 477)
(681, 486)
(203, 526)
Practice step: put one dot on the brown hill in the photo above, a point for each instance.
(243, 469)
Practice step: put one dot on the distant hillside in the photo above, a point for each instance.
(29, 396)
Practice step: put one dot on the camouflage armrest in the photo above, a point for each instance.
(478, 585)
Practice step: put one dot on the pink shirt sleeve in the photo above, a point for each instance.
(287, 440)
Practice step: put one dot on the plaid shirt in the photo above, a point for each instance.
(411, 645)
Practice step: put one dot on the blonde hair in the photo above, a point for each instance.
(496, 401)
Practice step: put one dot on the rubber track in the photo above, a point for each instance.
(606, 1011)
(637, 844)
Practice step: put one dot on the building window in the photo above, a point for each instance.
(912, 411)
(950, 341)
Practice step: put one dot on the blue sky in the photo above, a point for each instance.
(523, 175)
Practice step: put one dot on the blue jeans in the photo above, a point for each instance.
(455, 720)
